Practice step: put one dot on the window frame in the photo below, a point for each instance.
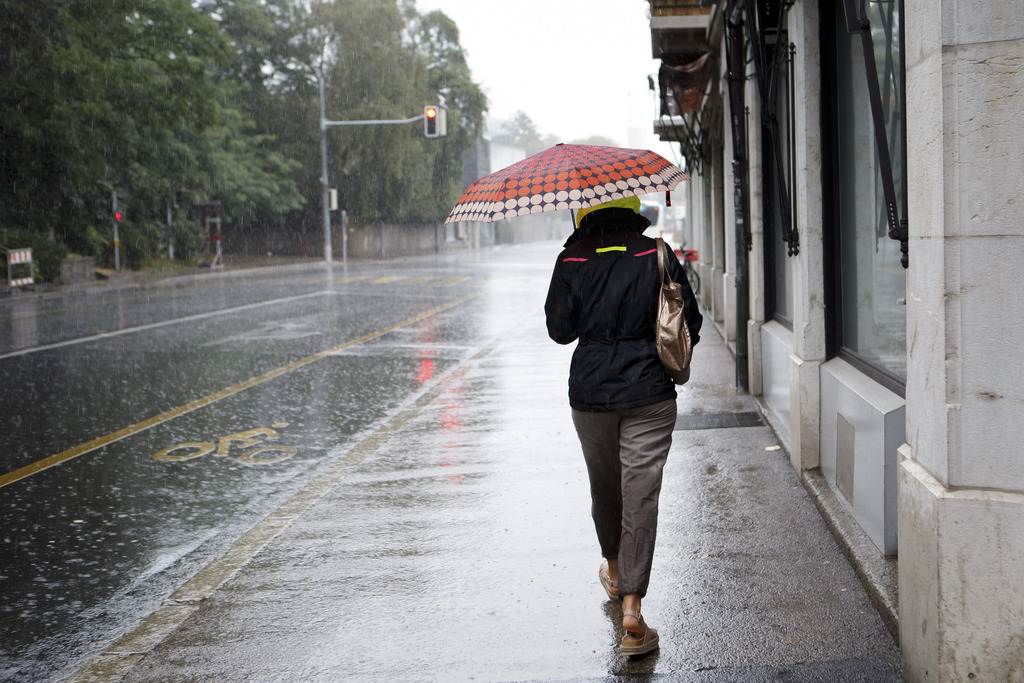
(831, 233)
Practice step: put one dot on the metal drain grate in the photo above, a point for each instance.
(718, 421)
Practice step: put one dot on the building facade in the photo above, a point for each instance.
(856, 168)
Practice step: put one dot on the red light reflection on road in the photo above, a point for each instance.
(451, 424)
(450, 415)
(426, 370)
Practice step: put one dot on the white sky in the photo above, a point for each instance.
(576, 67)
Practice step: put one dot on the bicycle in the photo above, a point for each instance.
(690, 256)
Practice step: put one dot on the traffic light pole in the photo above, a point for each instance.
(117, 240)
(326, 192)
(324, 184)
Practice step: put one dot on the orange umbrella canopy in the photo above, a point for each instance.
(565, 177)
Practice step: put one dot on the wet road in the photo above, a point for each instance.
(145, 430)
(372, 475)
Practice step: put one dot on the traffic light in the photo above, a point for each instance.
(118, 216)
(435, 121)
(430, 122)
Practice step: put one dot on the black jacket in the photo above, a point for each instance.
(604, 292)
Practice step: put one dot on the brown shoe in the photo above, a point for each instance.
(610, 587)
(638, 643)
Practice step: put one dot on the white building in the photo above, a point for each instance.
(826, 140)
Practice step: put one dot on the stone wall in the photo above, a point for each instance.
(376, 241)
(961, 507)
(383, 241)
(79, 269)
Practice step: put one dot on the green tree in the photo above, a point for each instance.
(522, 132)
(120, 91)
(139, 97)
(32, 149)
(381, 60)
(264, 151)
(596, 140)
(162, 101)
(132, 97)
(436, 38)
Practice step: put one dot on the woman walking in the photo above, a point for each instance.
(604, 292)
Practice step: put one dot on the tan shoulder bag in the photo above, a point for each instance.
(672, 336)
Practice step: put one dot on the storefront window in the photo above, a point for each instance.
(780, 209)
(782, 273)
(872, 283)
(781, 264)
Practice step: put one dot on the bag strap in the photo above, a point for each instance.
(662, 260)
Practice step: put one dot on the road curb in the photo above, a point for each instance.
(878, 574)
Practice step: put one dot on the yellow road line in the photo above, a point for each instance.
(451, 281)
(418, 280)
(389, 278)
(100, 442)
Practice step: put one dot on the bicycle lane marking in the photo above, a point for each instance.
(100, 442)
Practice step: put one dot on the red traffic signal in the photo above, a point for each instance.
(118, 216)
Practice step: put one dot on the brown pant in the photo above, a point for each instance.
(625, 453)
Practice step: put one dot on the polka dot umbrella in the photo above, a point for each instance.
(565, 177)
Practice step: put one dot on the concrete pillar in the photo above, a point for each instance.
(961, 497)
(808, 266)
(726, 284)
(721, 207)
(725, 240)
(755, 186)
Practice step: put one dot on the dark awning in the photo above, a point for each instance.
(682, 85)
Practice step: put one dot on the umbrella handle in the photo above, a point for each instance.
(572, 214)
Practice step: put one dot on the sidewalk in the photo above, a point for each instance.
(455, 543)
